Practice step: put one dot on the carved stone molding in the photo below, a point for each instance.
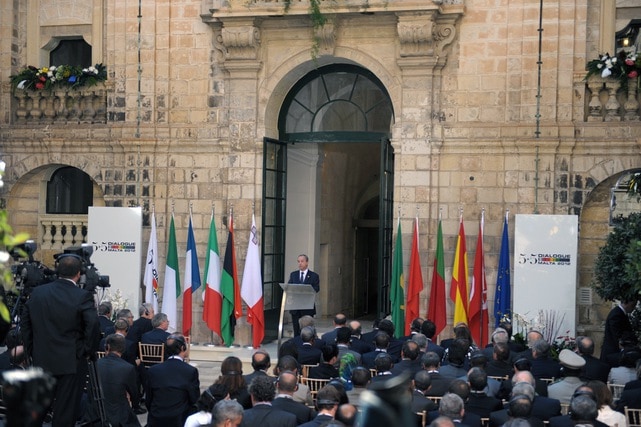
(415, 33)
(326, 38)
(241, 40)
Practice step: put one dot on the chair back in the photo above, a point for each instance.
(633, 416)
(314, 385)
(616, 390)
(151, 354)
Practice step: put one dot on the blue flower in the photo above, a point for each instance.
(72, 79)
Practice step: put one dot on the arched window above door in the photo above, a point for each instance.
(69, 191)
(338, 102)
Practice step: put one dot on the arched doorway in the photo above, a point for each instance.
(334, 130)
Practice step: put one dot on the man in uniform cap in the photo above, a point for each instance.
(571, 365)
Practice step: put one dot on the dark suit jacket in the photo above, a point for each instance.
(368, 337)
(406, 365)
(312, 279)
(360, 346)
(630, 398)
(155, 336)
(440, 384)
(303, 413)
(394, 349)
(106, 326)
(318, 342)
(118, 378)
(616, 324)
(330, 336)
(421, 403)
(545, 408)
(544, 367)
(249, 377)
(323, 371)
(267, 416)
(139, 327)
(432, 346)
(471, 420)
(172, 388)
(131, 350)
(318, 421)
(566, 421)
(59, 325)
(595, 369)
(309, 355)
(482, 405)
(367, 359)
(630, 385)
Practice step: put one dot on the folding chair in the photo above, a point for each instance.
(633, 416)
(151, 354)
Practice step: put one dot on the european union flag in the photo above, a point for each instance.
(502, 297)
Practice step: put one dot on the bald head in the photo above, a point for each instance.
(287, 383)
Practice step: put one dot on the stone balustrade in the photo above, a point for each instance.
(61, 231)
(608, 101)
(60, 106)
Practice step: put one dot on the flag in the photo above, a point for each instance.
(229, 290)
(436, 311)
(478, 315)
(397, 291)
(459, 289)
(192, 279)
(252, 288)
(415, 283)
(212, 307)
(502, 297)
(151, 267)
(171, 288)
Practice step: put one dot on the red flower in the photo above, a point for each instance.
(42, 78)
(633, 74)
(629, 62)
(40, 85)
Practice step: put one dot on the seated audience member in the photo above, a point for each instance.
(307, 353)
(440, 385)
(327, 401)
(286, 386)
(452, 406)
(428, 328)
(395, 344)
(499, 335)
(289, 364)
(227, 413)
(543, 407)
(631, 395)
(518, 407)
(104, 317)
(583, 410)
(409, 362)
(159, 334)
(260, 364)
(368, 337)
(381, 342)
(594, 369)
(205, 405)
(360, 380)
(479, 360)
(421, 341)
(142, 324)
(607, 415)
(340, 320)
(343, 336)
(356, 342)
(383, 364)
(455, 357)
(231, 375)
(326, 369)
(346, 415)
(421, 384)
(304, 322)
(479, 402)
(461, 332)
(499, 364)
(415, 328)
(543, 366)
(626, 371)
(263, 413)
(572, 365)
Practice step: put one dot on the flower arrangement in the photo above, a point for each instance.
(72, 76)
(118, 302)
(622, 66)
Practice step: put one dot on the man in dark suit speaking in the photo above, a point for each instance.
(60, 331)
(303, 276)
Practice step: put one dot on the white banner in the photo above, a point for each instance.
(545, 273)
(116, 237)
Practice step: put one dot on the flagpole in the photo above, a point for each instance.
(211, 332)
(482, 231)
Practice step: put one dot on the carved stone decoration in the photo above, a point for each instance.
(326, 38)
(415, 34)
(443, 36)
(241, 41)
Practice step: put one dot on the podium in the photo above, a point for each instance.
(295, 297)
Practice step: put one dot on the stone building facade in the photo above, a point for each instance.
(194, 87)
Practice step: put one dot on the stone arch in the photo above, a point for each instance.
(594, 229)
(26, 204)
(276, 86)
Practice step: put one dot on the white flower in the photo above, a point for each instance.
(599, 66)
(606, 72)
(85, 70)
(4, 256)
(3, 165)
(608, 63)
(21, 84)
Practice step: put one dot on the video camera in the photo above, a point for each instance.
(29, 273)
(90, 279)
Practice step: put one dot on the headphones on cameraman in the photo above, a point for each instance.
(83, 270)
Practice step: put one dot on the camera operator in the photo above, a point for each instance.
(60, 331)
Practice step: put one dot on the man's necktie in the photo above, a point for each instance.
(302, 277)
